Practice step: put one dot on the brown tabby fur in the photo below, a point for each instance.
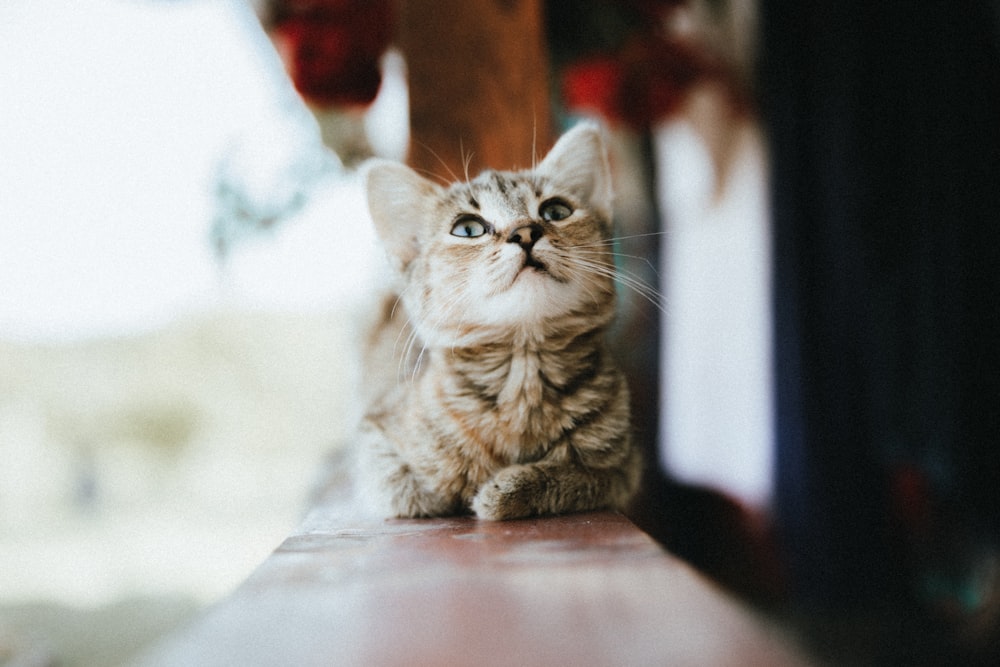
(490, 386)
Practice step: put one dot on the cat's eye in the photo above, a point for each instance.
(554, 210)
(468, 226)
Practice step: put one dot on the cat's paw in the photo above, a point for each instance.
(405, 497)
(412, 502)
(513, 493)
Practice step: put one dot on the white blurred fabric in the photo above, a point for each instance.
(716, 399)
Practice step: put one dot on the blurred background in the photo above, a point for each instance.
(806, 209)
(182, 262)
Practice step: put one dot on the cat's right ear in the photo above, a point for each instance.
(398, 200)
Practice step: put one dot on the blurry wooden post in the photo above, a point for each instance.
(478, 80)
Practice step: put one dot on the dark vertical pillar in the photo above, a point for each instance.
(884, 125)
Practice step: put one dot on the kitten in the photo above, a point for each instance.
(490, 386)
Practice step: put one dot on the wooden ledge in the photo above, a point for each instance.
(584, 589)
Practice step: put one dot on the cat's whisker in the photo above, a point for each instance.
(411, 362)
(588, 280)
(444, 315)
(598, 248)
(405, 374)
(442, 179)
(466, 160)
(534, 138)
(418, 363)
(408, 366)
(398, 304)
(633, 282)
(622, 277)
(631, 237)
(610, 241)
(592, 278)
(622, 255)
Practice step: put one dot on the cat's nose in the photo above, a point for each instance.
(526, 235)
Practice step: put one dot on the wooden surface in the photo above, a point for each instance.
(586, 589)
(478, 83)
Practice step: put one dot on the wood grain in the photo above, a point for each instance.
(478, 81)
(585, 589)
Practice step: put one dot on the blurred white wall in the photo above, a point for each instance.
(115, 118)
(717, 421)
(162, 414)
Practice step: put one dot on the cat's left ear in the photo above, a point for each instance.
(578, 163)
(398, 200)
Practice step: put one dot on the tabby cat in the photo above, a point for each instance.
(491, 388)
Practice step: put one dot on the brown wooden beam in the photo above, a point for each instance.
(583, 589)
(478, 78)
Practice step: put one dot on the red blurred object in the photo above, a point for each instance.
(332, 47)
(595, 84)
(638, 85)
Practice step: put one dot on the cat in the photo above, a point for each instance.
(489, 386)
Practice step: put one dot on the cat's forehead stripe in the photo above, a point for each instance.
(502, 183)
(493, 190)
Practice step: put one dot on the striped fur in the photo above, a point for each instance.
(500, 396)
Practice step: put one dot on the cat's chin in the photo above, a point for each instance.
(534, 296)
(535, 271)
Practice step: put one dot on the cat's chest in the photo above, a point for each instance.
(502, 406)
(521, 389)
(506, 382)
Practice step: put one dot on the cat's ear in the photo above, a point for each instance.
(578, 163)
(398, 200)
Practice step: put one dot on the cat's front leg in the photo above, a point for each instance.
(389, 486)
(397, 492)
(408, 497)
(556, 485)
(514, 492)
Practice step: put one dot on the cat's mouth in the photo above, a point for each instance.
(534, 266)
(531, 263)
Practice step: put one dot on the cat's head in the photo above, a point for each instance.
(505, 252)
